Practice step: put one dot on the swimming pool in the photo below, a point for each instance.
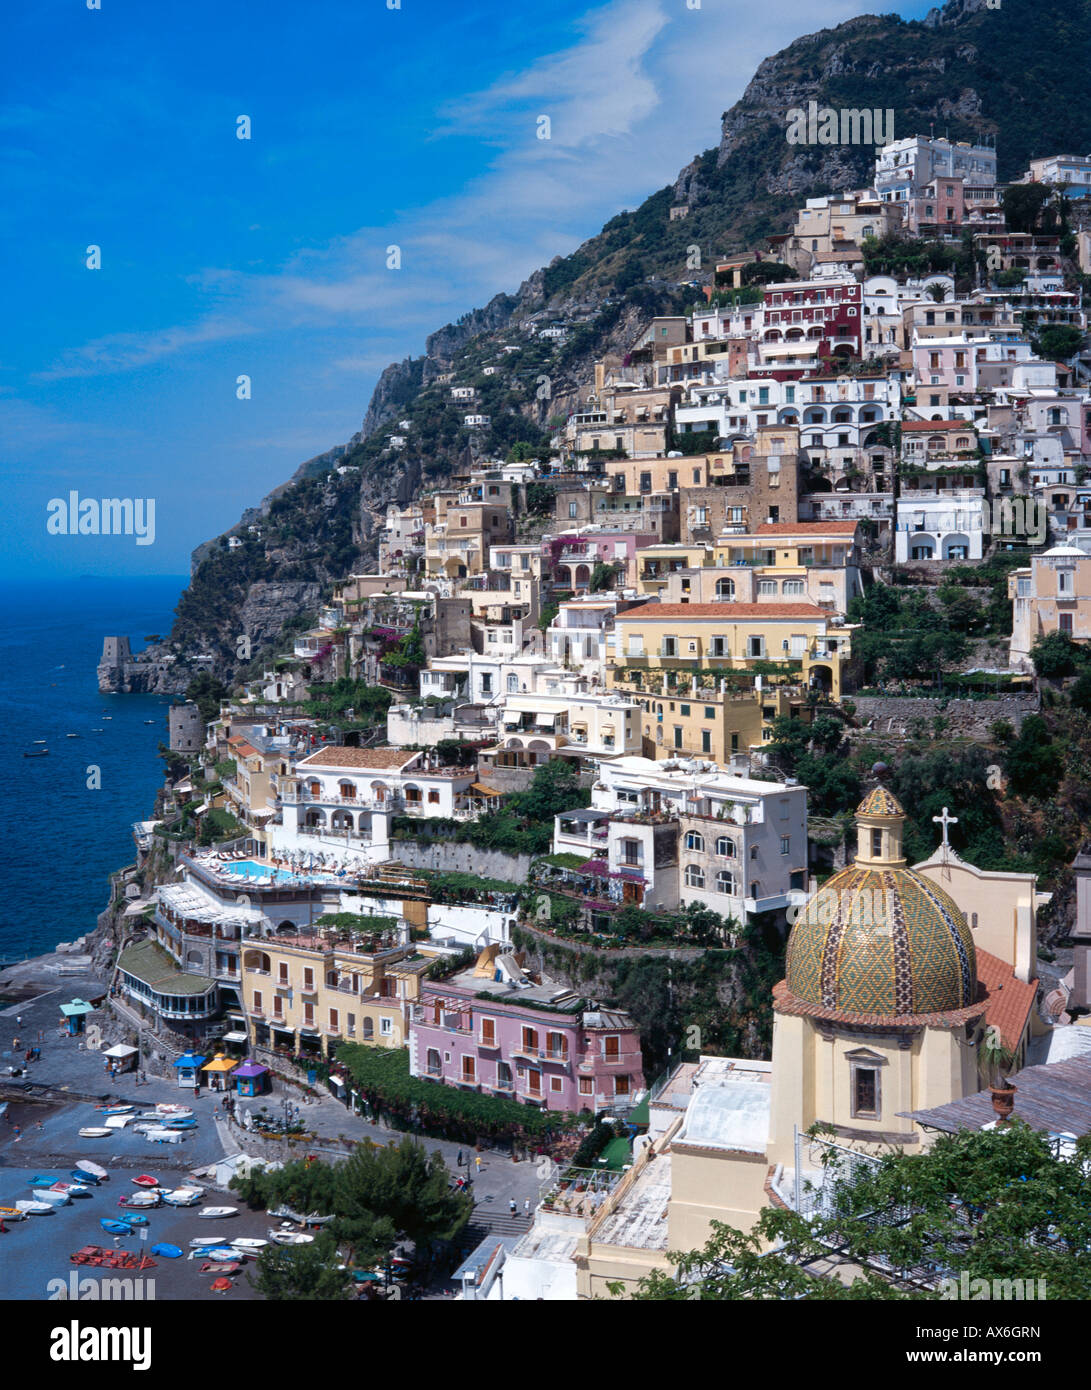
(247, 868)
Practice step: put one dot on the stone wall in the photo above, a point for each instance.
(965, 718)
(462, 858)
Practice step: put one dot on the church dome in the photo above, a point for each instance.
(878, 938)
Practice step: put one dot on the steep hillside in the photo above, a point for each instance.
(1018, 73)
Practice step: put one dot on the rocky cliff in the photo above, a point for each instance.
(1017, 74)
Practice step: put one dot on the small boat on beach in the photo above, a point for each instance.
(93, 1170)
(213, 1212)
(159, 1135)
(207, 1242)
(146, 1180)
(43, 1180)
(167, 1251)
(87, 1179)
(116, 1228)
(34, 1208)
(290, 1238)
(183, 1197)
(74, 1189)
(118, 1121)
(221, 1267)
(140, 1200)
(95, 1132)
(56, 1199)
(12, 1214)
(119, 1109)
(173, 1108)
(179, 1122)
(249, 1243)
(137, 1220)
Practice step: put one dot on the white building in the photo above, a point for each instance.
(940, 525)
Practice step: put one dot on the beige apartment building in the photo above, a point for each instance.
(1052, 595)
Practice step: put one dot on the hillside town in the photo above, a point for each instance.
(579, 833)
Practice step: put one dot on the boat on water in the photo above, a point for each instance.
(116, 1228)
(167, 1251)
(73, 735)
(38, 740)
(93, 1170)
(95, 1132)
(213, 1212)
(41, 753)
(146, 1180)
(106, 716)
(151, 721)
(183, 1197)
(98, 731)
(290, 1238)
(34, 1208)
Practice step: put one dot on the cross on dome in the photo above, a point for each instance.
(945, 820)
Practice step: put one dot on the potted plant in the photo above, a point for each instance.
(995, 1059)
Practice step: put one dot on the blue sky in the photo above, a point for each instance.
(267, 258)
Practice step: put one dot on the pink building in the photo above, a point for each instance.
(570, 558)
(495, 1030)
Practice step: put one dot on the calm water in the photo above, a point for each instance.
(61, 840)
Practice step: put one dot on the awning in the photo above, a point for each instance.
(189, 1062)
(220, 1063)
(482, 790)
(234, 1037)
(120, 1050)
(249, 1068)
(547, 721)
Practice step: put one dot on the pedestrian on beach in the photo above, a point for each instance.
(18, 1020)
(459, 1159)
(511, 1206)
(15, 1044)
(196, 1093)
(477, 1162)
(526, 1207)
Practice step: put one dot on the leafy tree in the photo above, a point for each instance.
(1033, 762)
(207, 692)
(1056, 655)
(990, 1204)
(411, 1190)
(303, 1273)
(1058, 342)
(1023, 204)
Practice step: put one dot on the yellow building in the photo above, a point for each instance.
(659, 637)
(714, 721)
(302, 992)
(891, 986)
(1052, 595)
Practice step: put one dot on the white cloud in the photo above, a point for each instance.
(123, 352)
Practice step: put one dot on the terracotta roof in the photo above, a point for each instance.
(1010, 999)
(784, 1002)
(937, 425)
(730, 612)
(800, 528)
(357, 757)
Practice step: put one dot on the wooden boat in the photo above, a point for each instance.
(213, 1212)
(146, 1180)
(221, 1267)
(116, 1228)
(137, 1220)
(249, 1243)
(87, 1179)
(74, 1189)
(290, 1238)
(179, 1122)
(119, 1109)
(173, 1108)
(35, 1208)
(207, 1242)
(43, 1180)
(12, 1214)
(315, 1220)
(94, 1132)
(183, 1197)
(93, 1170)
(168, 1251)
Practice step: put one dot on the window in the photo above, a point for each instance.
(876, 843)
(587, 1086)
(621, 1085)
(433, 798)
(556, 1083)
(725, 847)
(695, 876)
(706, 741)
(678, 736)
(694, 840)
(786, 844)
(573, 509)
(755, 646)
(469, 1068)
(725, 882)
(530, 1039)
(513, 685)
(282, 973)
(636, 644)
(257, 1001)
(865, 1093)
(488, 1032)
(308, 977)
(670, 646)
(386, 1027)
(335, 1022)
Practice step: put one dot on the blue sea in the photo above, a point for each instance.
(61, 840)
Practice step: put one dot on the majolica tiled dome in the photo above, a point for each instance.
(878, 938)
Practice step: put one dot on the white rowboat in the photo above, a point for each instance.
(55, 1199)
(290, 1238)
(213, 1212)
(34, 1208)
(96, 1170)
(249, 1243)
(94, 1132)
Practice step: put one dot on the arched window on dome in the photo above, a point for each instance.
(695, 876)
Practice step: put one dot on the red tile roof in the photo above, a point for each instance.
(798, 528)
(1010, 1000)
